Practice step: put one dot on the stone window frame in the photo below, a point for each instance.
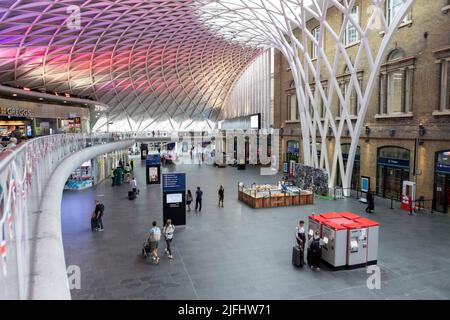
(324, 84)
(314, 52)
(406, 21)
(289, 94)
(407, 66)
(350, 25)
(446, 8)
(443, 63)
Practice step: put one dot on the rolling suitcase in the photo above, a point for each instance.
(297, 257)
(94, 224)
(131, 195)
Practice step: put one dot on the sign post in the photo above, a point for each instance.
(365, 186)
(408, 196)
(153, 168)
(174, 192)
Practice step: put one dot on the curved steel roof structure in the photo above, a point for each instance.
(152, 61)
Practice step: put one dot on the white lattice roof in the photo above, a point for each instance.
(153, 62)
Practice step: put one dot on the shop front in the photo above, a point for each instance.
(96, 170)
(30, 119)
(270, 196)
(17, 122)
(441, 199)
(292, 155)
(393, 167)
(81, 178)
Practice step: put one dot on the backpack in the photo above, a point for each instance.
(315, 245)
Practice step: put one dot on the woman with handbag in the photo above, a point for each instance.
(189, 200)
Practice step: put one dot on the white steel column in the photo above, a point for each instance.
(272, 23)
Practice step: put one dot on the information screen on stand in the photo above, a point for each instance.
(174, 191)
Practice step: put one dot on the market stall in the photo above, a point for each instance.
(81, 178)
(269, 196)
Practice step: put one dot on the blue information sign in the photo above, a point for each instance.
(442, 168)
(390, 162)
(153, 159)
(174, 182)
(365, 183)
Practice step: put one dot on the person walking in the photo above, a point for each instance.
(155, 236)
(370, 202)
(132, 165)
(113, 173)
(189, 200)
(98, 213)
(168, 231)
(198, 199)
(221, 196)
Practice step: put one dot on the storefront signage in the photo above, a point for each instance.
(444, 168)
(391, 162)
(15, 112)
(293, 150)
(345, 157)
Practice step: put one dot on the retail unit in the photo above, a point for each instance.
(315, 224)
(372, 238)
(349, 241)
(269, 196)
(334, 238)
(356, 245)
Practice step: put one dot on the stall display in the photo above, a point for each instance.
(81, 178)
(349, 241)
(269, 196)
(310, 178)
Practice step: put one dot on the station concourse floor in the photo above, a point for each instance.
(237, 252)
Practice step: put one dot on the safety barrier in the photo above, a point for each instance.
(24, 173)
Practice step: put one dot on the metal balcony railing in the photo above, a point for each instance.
(24, 172)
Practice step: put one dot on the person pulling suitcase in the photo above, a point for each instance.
(134, 190)
(298, 256)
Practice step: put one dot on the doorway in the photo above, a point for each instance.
(392, 170)
(442, 193)
(441, 199)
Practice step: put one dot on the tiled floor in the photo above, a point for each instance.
(240, 253)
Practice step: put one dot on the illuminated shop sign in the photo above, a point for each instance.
(15, 112)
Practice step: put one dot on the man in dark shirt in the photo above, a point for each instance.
(99, 209)
(198, 199)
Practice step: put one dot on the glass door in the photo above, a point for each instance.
(390, 181)
(442, 193)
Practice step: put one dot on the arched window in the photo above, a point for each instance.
(396, 54)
